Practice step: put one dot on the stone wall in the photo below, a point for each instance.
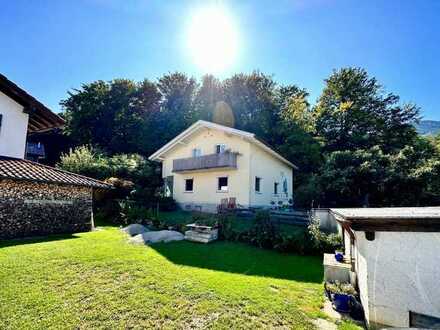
(35, 209)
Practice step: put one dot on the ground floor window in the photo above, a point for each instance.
(257, 184)
(275, 188)
(222, 183)
(189, 185)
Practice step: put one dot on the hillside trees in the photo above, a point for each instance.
(356, 146)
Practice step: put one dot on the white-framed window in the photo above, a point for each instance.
(275, 188)
(196, 152)
(257, 184)
(222, 184)
(220, 148)
(189, 185)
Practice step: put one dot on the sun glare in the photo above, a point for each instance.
(212, 39)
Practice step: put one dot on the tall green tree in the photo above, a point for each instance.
(207, 96)
(252, 98)
(111, 115)
(354, 112)
(177, 104)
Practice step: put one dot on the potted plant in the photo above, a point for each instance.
(340, 294)
(280, 205)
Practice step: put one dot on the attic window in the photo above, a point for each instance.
(220, 148)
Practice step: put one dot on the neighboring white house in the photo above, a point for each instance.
(13, 127)
(209, 162)
(20, 114)
(395, 253)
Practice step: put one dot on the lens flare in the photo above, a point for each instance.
(212, 39)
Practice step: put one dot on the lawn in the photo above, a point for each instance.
(240, 224)
(98, 280)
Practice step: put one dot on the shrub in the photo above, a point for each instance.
(226, 230)
(322, 242)
(264, 233)
(86, 161)
(204, 219)
(297, 242)
(167, 204)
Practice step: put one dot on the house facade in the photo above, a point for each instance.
(20, 115)
(208, 163)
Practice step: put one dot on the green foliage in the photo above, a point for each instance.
(354, 112)
(86, 161)
(341, 288)
(112, 115)
(75, 276)
(264, 233)
(356, 146)
(133, 213)
(321, 241)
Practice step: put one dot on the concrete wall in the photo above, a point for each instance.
(327, 221)
(398, 272)
(13, 128)
(270, 170)
(34, 209)
(205, 192)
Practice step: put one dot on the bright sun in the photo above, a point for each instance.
(212, 39)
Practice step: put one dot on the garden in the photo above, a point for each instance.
(98, 280)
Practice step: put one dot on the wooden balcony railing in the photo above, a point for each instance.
(222, 160)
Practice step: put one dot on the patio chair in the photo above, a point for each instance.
(232, 203)
(223, 206)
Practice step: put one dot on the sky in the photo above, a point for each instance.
(51, 47)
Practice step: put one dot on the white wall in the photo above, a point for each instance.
(327, 221)
(252, 161)
(205, 191)
(13, 129)
(270, 170)
(398, 272)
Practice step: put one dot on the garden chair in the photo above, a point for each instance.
(223, 205)
(232, 203)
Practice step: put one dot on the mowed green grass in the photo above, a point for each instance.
(98, 280)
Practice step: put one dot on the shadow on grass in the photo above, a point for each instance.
(243, 259)
(35, 239)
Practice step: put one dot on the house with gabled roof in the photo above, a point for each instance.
(209, 163)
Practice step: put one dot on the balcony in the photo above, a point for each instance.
(225, 160)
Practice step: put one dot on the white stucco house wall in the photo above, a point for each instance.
(209, 162)
(395, 254)
(20, 114)
(13, 127)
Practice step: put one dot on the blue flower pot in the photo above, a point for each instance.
(341, 302)
(339, 257)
